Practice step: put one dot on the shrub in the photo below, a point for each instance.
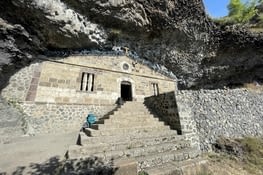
(242, 12)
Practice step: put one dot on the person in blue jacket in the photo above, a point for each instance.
(90, 119)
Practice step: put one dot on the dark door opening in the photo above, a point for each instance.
(126, 91)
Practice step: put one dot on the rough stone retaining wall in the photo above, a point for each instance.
(12, 123)
(228, 113)
(51, 118)
(19, 84)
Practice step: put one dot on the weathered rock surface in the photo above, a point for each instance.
(12, 122)
(177, 34)
(237, 60)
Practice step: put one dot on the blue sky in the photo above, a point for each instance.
(216, 8)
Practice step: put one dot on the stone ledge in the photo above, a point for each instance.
(66, 104)
(125, 167)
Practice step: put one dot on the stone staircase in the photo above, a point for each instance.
(133, 132)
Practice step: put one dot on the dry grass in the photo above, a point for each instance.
(254, 87)
(253, 154)
(256, 30)
(250, 163)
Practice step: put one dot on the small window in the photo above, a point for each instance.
(125, 66)
(87, 82)
(155, 89)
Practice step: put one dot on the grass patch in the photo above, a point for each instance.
(142, 173)
(253, 154)
(247, 160)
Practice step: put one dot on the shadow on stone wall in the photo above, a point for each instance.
(107, 115)
(55, 166)
(165, 108)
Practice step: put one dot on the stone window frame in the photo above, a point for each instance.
(80, 77)
(154, 86)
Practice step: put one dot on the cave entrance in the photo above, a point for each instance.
(126, 91)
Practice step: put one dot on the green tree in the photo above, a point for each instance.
(235, 8)
(242, 12)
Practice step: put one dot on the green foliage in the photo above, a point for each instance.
(239, 12)
(235, 8)
(260, 22)
(225, 21)
(142, 173)
(12, 102)
(242, 12)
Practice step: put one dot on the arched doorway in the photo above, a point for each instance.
(126, 91)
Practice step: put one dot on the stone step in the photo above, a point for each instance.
(128, 117)
(133, 143)
(133, 103)
(128, 122)
(116, 151)
(155, 135)
(157, 159)
(125, 131)
(132, 121)
(186, 167)
(132, 117)
(123, 125)
(131, 113)
(133, 108)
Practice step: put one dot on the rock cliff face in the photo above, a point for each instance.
(177, 34)
(237, 59)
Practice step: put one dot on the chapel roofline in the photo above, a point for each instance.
(117, 52)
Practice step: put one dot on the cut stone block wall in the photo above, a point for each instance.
(228, 113)
(59, 81)
(188, 124)
(64, 85)
(164, 105)
(174, 114)
(53, 118)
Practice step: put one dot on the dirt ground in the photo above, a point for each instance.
(33, 154)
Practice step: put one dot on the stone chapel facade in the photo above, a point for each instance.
(58, 94)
